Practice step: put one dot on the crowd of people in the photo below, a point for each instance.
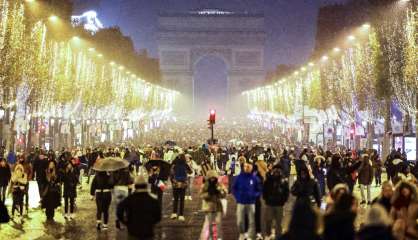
(261, 179)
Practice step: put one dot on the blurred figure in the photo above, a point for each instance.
(212, 193)
(377, 225)
(233, 169)
(339, 222)
(140, 211)
(275, 195)
(5, 175)
(404, 211)
(121, 190)
(303, 223)
(306, 188)
(385, 196)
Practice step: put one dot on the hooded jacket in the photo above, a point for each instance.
(405, 215)
(247, 188)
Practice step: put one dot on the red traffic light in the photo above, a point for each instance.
(212, 116)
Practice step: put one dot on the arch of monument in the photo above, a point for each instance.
(237, 38)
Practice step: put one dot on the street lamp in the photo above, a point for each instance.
(53, 18)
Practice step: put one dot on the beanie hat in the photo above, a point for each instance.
(211, 174)
(140, 182)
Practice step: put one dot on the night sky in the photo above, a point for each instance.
(290, 26)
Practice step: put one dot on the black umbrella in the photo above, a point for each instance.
(171, 143)
(164, 166)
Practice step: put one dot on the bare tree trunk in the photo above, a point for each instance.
(416, 127)
(388, 129)
(370, 134)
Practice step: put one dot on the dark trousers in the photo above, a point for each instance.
(258, 215)
(26, 195)
(157, 191)
(3, 193)
(103, 200)
(69, 200)
(231, 180)
(41, 187)
(378, 177)
(179, 194)
(50, 212)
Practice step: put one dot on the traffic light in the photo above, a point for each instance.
(212, 116)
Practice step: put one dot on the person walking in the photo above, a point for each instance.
(70, 180)
(246, 189)
(51, 197)
(5, 175)
(123, 183)
(212, 194)
(404, 211)
(140, 211)
(275, 195)
(101, 190)
(40, 166)
(179, 169)
(27, 166)
(365, 178)
(190, 176)
(233, 169)
(377, 167)
(385, 196)
(305, 187)
(303, 224)
(157, 183)
(19, 180)
(339, 221)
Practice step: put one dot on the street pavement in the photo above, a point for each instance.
(35, 226)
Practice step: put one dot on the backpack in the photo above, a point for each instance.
(180, 173)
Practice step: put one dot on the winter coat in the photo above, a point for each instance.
(334, 177)
(140, 211)
(247, 188)
(5, 175)
(405, 216)
(212, 203)
(285, 164)
(339, 225)
(375, 232)
(39, 167)
(307, 189)
(101, 182)
(70, 180)
(52, 195)
(275, 190)
(365, 175)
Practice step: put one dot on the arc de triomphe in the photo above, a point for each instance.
(237, 38)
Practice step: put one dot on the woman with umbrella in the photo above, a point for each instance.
(102, 186)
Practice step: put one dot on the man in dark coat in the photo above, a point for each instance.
(40, 166)
(5, 175)
(140, 211)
